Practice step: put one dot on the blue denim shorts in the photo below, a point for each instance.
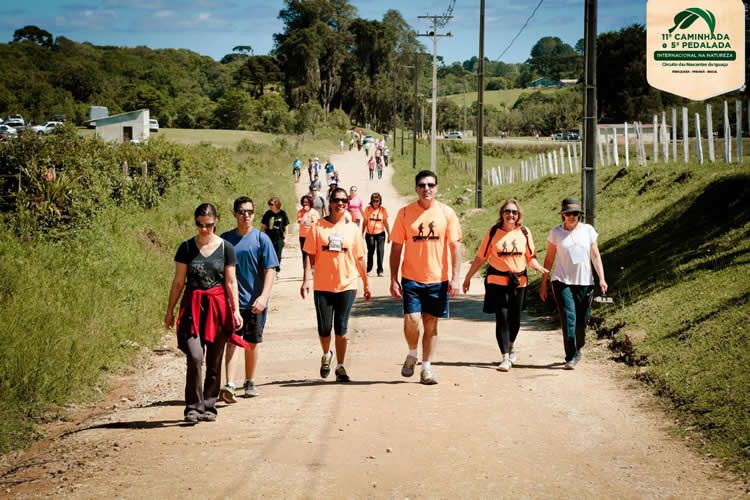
(423, 297)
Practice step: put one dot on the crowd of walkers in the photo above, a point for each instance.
(227, 279)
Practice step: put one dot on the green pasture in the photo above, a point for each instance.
(499, 98)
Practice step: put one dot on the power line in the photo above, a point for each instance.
(519, 31)
(447, 14)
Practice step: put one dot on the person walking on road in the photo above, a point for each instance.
(306, 217)
(310, 169)
(275, 223)
(375, 230)
(386, 155)
(256, 272)
(428, 232)
(334, 245)
(371, 167)
(355, 205)
(296, 170)
(319, 203)
(572, 280)
(329, 169)
(509, 246)
(209, 311)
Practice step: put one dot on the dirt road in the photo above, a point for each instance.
(537, 431)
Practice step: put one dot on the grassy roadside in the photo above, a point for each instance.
(77, 308)
(675, 243)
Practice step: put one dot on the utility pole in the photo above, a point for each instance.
(403, 112)
(480, 107)
(416, 103)
(588, 172)
(434, 35)
(393, 115)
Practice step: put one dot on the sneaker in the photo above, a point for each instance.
(408, 369)
(427, 377)
(208, 416)
(325, 364)
(228, 394)
(192, 416)
(570, 365)
(505, 365)
(341, 375)
(380, 275)
(579, 356)
(512, 356)
(250, 390)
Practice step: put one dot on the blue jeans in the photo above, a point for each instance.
(573, 306)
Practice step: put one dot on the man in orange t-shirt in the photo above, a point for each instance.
(427, 231)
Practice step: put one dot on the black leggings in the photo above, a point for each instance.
(375, 242)
(508, 315)
(301, 247)
(332, 309)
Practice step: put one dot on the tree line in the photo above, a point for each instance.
(327, 64)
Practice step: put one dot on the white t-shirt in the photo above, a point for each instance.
(573, 265)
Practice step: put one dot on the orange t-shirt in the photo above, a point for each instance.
(426, 235)
(375, 219)
(306, 220)
(336, 248)
(508, 251)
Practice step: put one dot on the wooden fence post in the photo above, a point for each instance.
(570, 160)
(727, 135)
(685, 134)
(606, 145)
(601, 151)
(655, 124)
(664, 137)
(144, 170)
(615, 152)
(698, 145)
(627, 146)
(738, 131)
(710, 133)
(125, 170)
(674, 134)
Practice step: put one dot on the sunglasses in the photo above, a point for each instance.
(207, 225)
(340, 200)
(510, 212)
(572, 214)
(426, 185)
(245, 211)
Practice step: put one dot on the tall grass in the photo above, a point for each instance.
(79, 306)
(675, 241)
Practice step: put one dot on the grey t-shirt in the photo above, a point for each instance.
(204, 273)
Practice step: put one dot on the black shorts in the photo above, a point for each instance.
(252, 325)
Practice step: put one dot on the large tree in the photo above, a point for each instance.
(258, 71)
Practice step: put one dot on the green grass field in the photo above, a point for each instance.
(675, 240)
(498, 98)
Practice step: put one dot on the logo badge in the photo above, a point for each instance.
(695, 49)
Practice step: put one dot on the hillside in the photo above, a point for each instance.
(498, 98)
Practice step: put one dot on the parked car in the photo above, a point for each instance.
(453, 135)
(153, 125)
(368, 138)
(572, 136)
(46, 127)
(16, 123)
(7, 131)
(17, 118)
(557, 137)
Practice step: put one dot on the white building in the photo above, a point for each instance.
(125, 127)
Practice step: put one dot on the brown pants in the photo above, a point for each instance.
(201, 395)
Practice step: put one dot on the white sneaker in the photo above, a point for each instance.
(505, 365)
(512, 356)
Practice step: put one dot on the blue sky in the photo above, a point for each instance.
(213, 27)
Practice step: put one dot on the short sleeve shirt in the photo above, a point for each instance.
(275, 224)
(204, 273)
(355, 205)
(508, 252)
(336, 248)
(426, 236)
(329, 168)
(375, 220)
(255, 254)
(306, 219)
(573, 266)
(319, 204)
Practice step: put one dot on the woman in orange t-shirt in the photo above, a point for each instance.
(334, 245)
(306, 217)
(375, 229)
(509, 246)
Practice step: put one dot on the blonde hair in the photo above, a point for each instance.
(519, 219)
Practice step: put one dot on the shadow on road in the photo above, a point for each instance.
(313, 383)
(134, 424)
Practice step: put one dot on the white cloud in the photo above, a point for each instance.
(87, 19)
